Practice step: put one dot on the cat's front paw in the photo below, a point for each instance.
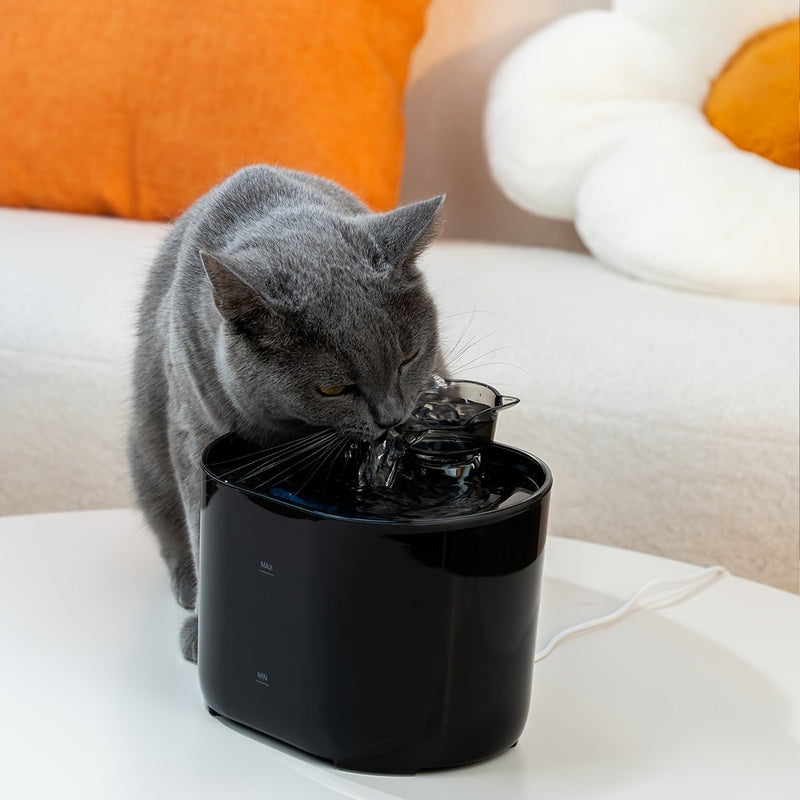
(184, 583)
(189, 639)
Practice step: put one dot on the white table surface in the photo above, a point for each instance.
(701, 700)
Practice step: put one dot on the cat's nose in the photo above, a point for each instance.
(391, 424)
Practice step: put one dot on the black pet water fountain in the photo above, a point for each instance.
(378, 610)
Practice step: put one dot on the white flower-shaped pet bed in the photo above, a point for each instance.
(668, 130)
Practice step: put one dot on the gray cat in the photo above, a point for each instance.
(278, 305)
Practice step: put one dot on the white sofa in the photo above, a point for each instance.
(670, 419)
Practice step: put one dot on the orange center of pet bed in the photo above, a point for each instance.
(754, 100)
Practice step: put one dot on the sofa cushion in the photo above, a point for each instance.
(669, 419)
(71, 285)
(138, 107)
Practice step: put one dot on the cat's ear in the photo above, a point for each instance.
(404, 233)
(233, 296)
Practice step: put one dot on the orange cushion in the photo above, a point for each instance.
(137, 107)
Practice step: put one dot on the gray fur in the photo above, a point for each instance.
(271, 284)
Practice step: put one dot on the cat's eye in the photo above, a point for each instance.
(407, 359)
(332, 391)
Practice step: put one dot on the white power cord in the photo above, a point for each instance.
(658, 593)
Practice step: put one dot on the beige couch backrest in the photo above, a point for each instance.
(464, 42)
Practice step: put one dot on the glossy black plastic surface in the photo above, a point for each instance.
(382, 647)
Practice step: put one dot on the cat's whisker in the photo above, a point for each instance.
(453, 362)
(473, 343)
(311, 448)
(463, 334)
(276, 456)
(471, 361)
(323, 458)
(461, 313)
(293, 468)
(504, 364)
(291, 452)
(462, 350)
(456, 354)
(285, 448)
(455, 343)
(342, 448)
(273, 448)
